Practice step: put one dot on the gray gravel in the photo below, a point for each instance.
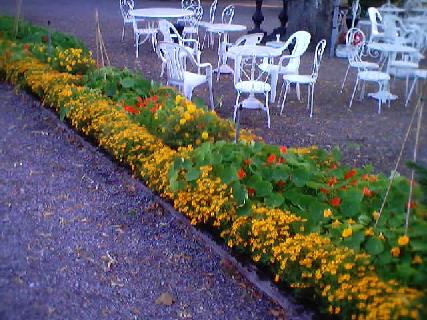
(81, 239)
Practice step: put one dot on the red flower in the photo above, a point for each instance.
(412, 205)
(241, 174)
(251, 192)
(333, 166)
(271, 158)
(283, 149)
(26, 46)
(332, 181)
(247, 161)
(324, 191)
(280, 184)
(335, 202)
(281, 160)
(367, 192)
(45, 38)
(130, 109)
(350, 174)
(365, 177)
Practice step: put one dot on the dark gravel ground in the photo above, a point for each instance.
(81, 239)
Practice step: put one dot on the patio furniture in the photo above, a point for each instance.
(223, 29)
(355, 44)
(192, 23)
(376, 23)
(185, 4)
(146, 32)
(206, 25)
(299, 42)
(228, 14)
(125, 7)
(251, 80)
(161, 13)
(171, 35)
(175, 57)
(418, 74)
(309, 80)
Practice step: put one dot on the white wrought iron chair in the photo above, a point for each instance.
(376, 23)
(192, 26)
(125, 7)
(251, 80)
(175, 57)
(300, 41)
(185, 4)
(228, 14)
(418, 74)
(146, 30)
(171, 35)
(206, 24)
(309, 80)
(355, 45)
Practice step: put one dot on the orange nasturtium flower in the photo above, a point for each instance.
(283, 149)
(395, 252)
(271, 158)
(350, 174)
(403, 241)
(347, 232)
(327, 213)
(332, 181)
(241, 174)
(367, 192)
(130, 109)
(335, 202)
(251, 192)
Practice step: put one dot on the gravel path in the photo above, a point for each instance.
(81, 239)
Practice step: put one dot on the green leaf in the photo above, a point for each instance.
(355, 240)
(418, 245)
(192, 174)
(274, 200)
(240, 193)
(374, 246)
(245, 210)
(127, 82)
(351, 202)
(227, 174)
(300, 176)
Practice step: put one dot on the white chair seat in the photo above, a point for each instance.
(194, 78)
(373, 76)
(403, 64)
(365, 65)
(253, 86)
(421, 73)
(146, 31)
(273, 68)
(191, 30)
(299, 78)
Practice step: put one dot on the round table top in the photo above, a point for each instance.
(417, 20)
(391, 9)
(226, 27)
(390, 47)
(160, 13)
(259, 51)
(420, 10)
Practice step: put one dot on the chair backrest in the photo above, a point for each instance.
(212, 11)
(227, 14)
(195, 19)
(318, 55)
(125, 7)
(249, 39)
(300, 41)
(249, 70)
(390, 28)
(375, 18)
(175, 57)
(169, 32)
(185, 4)
(355, 42)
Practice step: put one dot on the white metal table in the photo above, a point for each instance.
(223, 29)
(161, 13)
(259, 51)
(391, 10)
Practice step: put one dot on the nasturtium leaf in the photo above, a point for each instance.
(127, 82)
(350, 202)
(355, 240)
(245, 210)
(374, 246)
(300, 176)
(240, 193)
(192, 174)
(227, 174)
(274, 200)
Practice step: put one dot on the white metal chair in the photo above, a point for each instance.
(418, 74)
(228, 14)
(251, 80)
(376, 23)
(300, 41)
(125, 7)
(355, 45)
(309, 80)
(192, 26)
(185, 4)
(175, 57)
(145, 30)
(206, 24)
(171, 35)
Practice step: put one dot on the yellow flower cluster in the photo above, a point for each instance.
(346, 280)
(73, 60)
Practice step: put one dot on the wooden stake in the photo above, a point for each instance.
(17, 16)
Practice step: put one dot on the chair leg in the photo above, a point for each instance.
(211, 100)
(408, 98)
(362, 91)
(123, 32)
(284, 96)
(267, 110)
(308, 97)
(236, 106)
(281, 94)
(137, 44)
(312, 101)
(274, 79)
(354, 92)
(298, 89)
(345, 78)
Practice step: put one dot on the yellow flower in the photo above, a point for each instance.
(205, 135)
(369, 232)
(381, 236)
(347, 233)
(348, 266)
(277, 278)
(182, 121)
(327, 213)
(187, 116)
(376, 215)
(395, 252)
(417, 260)
(403, 241)
(351, 221)
(336, 224)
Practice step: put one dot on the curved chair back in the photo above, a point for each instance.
(168, 31)
(185, 4)
(375, 18)
(249, 39)
(300, 41)
(228, 14)
(125, 7)
(175, 57)
(390, 28)
(196, 17)
(355, 42)
(212, 11)
(318, 55)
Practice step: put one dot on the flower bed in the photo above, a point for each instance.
(297, 212)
